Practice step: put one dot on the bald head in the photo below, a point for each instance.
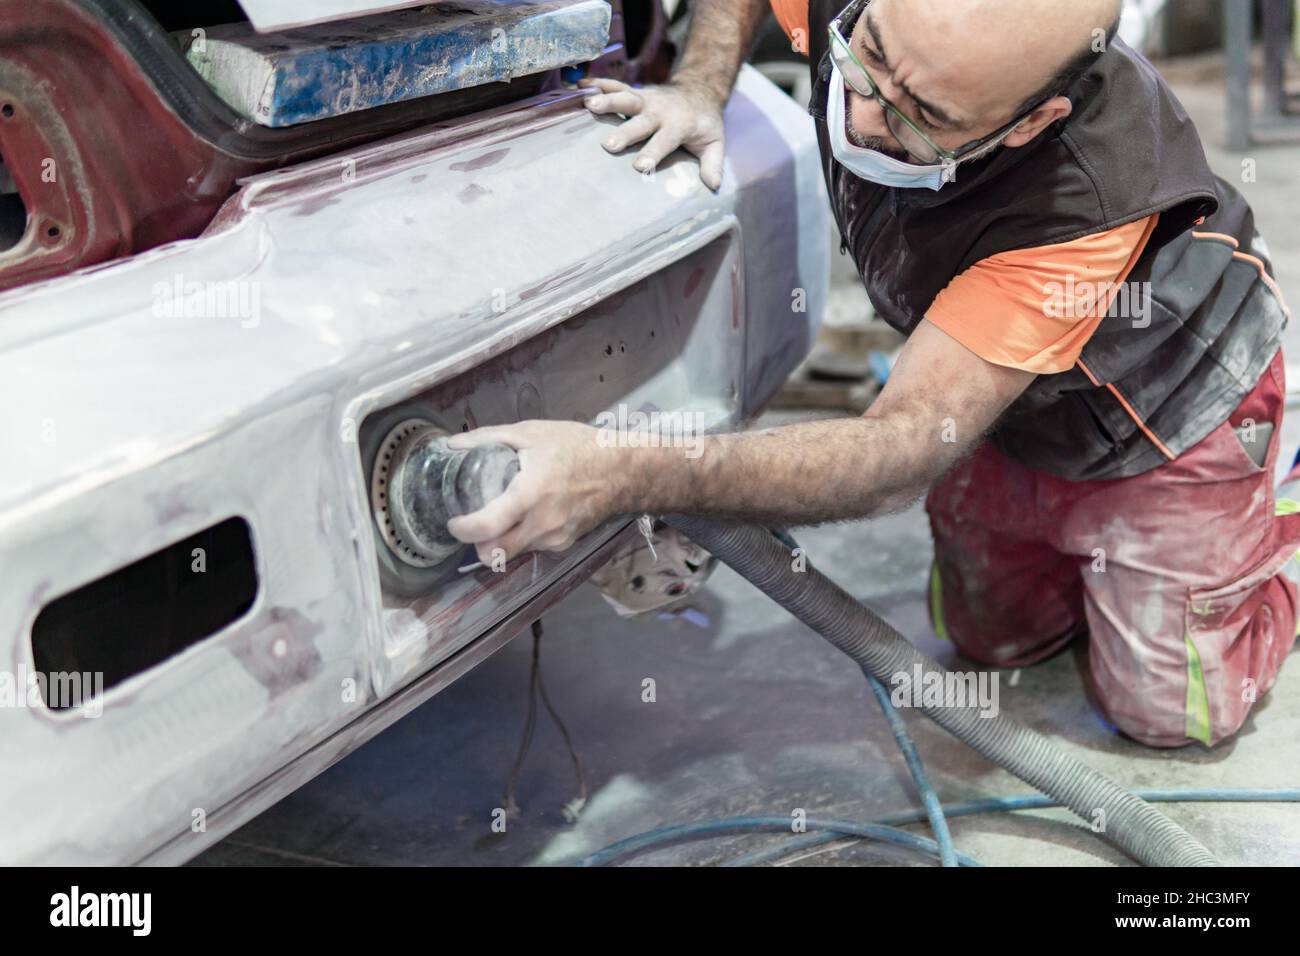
(964, 69)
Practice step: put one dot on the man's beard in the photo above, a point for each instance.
(877, 143)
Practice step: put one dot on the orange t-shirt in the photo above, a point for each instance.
(792, 15)
(1035, 309)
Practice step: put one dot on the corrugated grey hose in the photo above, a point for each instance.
(1131, 823)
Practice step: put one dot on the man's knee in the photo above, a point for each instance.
(1005, 624)
(1161, 714)
(1202, 688)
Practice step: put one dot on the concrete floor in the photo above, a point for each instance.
(756, 715)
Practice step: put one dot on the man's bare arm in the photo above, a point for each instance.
(720, 37)
(941, 398)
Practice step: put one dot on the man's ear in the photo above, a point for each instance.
(1057, 108)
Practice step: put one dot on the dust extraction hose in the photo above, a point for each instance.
(1131, 823)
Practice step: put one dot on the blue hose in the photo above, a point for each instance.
(1146, 834)
(885, 827)
(874, 645)
(929, 799)
(687, 831)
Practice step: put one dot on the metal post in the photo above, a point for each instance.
(1277, 46)
(1238, 18)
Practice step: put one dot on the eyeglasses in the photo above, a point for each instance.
(910, 136)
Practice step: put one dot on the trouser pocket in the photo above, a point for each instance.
(1236, 637)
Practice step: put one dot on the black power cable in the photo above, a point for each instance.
(536, 689)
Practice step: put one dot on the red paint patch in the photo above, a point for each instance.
(481, 161)
(693, 282)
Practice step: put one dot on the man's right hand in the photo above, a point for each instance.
(671, 115)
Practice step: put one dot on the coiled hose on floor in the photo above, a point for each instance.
(1130, 823)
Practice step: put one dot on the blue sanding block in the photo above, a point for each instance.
(296, 76)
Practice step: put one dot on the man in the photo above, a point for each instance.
(1027, 201)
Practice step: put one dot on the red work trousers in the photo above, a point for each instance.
(1174, 574)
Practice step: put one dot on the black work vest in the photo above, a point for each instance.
(1144, 390)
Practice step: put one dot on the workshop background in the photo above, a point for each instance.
(754, 714)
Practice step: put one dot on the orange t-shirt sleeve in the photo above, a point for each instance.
(1035, 309)
(792, 16)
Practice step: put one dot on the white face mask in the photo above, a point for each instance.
(871, 164)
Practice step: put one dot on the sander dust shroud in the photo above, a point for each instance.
(417, 485)
(425, 484)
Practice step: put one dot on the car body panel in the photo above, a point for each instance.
(462, 268)
(116, 145)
